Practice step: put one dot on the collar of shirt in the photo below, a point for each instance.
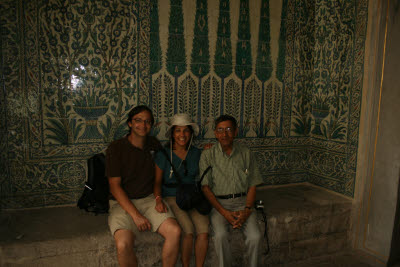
(149, 144)
(219, 147)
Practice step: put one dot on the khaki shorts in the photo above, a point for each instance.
(120, 219)
(189, 220)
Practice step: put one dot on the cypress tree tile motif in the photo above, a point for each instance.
(223, 50)
(264, 61)
(200, 62)
(232, 98)
(176, 56)
(243, 66)
(155, 86)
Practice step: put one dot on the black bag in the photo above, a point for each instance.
(189, 196)
(186, 196)
(96, 192)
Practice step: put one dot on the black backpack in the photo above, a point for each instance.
(96, 192)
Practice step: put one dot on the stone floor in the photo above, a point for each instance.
(304, 223)
(351, 259)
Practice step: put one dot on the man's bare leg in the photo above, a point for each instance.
(171, 231)
(124, 241)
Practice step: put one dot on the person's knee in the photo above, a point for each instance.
(124, 241)
(220, 235)
(254, 238)
(170, 229)
(175, 230)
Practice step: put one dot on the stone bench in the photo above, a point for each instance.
(304, 222)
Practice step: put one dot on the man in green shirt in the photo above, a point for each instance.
(231, 189)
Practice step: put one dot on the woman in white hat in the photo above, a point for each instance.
(185, 158)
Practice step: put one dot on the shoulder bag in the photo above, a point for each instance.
(189, 196)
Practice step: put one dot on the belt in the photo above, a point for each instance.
(232, 195)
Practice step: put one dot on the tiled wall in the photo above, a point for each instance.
(290, 71)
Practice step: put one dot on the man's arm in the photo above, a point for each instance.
(245, 214)
(251, 196)
(228, 215)
(120, 195)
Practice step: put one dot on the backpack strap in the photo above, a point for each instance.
(102, 158)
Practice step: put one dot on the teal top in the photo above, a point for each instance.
(230, 174)
(192, 167)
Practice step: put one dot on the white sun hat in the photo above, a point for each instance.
(182, 119)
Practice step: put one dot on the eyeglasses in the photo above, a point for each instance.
(226, 130)
(139, 121)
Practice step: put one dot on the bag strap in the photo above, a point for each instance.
(178, 177)
(204, 173)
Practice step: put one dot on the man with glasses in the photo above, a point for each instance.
(130, 172)
(231, 189)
